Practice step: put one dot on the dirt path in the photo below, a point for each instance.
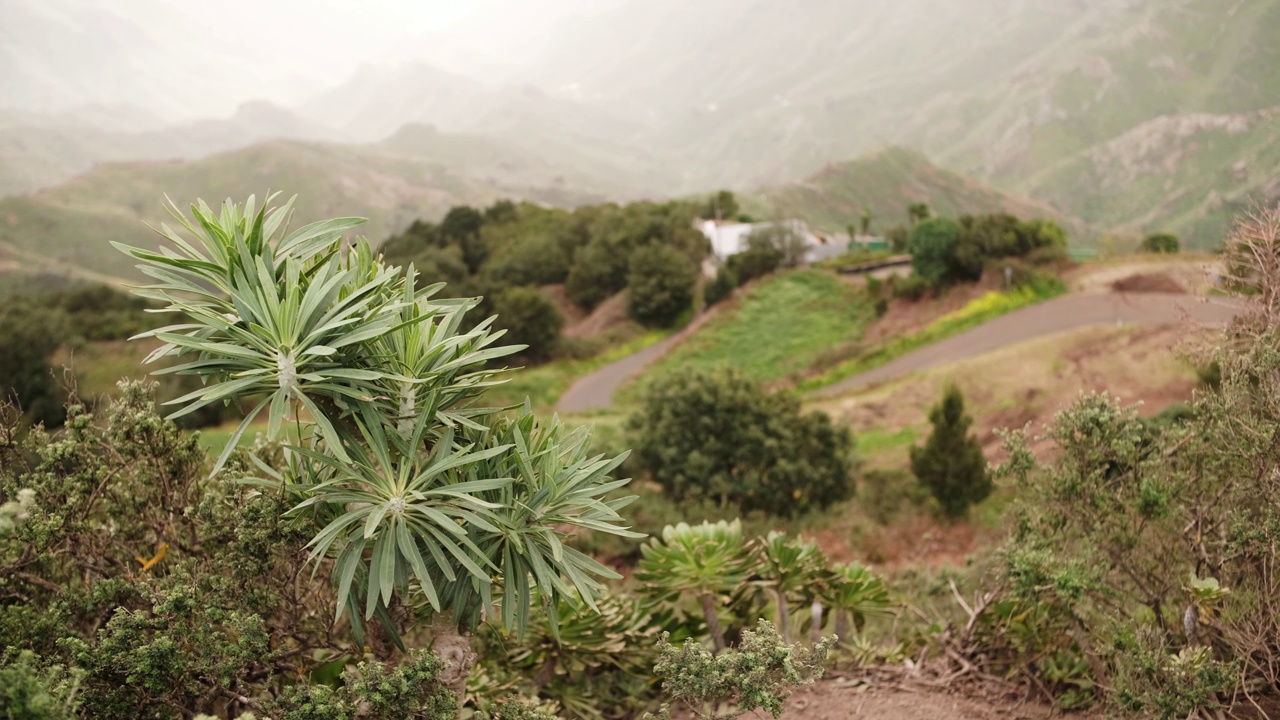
(1064, 313)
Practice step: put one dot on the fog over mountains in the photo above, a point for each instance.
(1126, 115)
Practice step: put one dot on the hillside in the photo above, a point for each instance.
(418, 173)
(886, 182)
(40, 151)
(1024, 95)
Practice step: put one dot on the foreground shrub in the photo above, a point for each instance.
(717, 435)
(1156, 543)
(707, 561)
(757, 675)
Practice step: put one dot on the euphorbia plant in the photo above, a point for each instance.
(422, 491)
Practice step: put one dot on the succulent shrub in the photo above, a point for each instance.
(706, 561)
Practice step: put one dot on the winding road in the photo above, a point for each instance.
(595, 391)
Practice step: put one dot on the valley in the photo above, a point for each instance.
(639, 360)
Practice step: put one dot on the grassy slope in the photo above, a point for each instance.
(392, 185)
(779, 329)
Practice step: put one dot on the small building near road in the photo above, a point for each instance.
(730, 238)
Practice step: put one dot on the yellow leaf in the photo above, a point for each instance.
(161, 551)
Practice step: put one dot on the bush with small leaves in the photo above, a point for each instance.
(29, 691)
(759, 674)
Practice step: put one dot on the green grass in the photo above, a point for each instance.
(878, 440)
(987, 307)
(782, 327)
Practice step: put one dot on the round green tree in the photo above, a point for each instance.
(1161, 243)
(660, 284)
(717, 435)
(530, 319)
(932, 245)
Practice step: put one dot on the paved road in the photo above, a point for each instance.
(595, 391)
(1063, 313)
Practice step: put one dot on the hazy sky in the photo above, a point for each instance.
(236, 50)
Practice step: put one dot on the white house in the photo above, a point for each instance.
(730, 238)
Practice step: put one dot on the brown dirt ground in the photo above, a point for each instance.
(1149, 282)
(1029, 382)
(845, 699)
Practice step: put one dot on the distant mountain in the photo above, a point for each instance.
(418, 173)
(378, 100)
(1025, 94)
(38, 151)
(886, 182)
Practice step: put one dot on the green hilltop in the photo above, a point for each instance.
(886, 182)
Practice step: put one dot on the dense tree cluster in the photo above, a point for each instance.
(34, 327)
(591, 250)
(949, 251)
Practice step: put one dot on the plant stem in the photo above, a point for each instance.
(784, 616)
(454, 649)
(713, 621)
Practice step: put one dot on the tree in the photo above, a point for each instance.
(932, 244)
(29, 335)
(784, 237)
(660, 285)
(461, 227)
(719, 287)
(950, 463)
(899, 238)
(866, 221)
(530, 318)
(918, 212)
(421, 496)
(717, 435)
(722, 205)
(1161, 243)
(599, 270)
(759, 259)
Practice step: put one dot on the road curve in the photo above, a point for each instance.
(595, 391)
(1063, 313)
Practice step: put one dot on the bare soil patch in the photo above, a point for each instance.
(1149, 283)
(848, 699)
(1031, 381)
